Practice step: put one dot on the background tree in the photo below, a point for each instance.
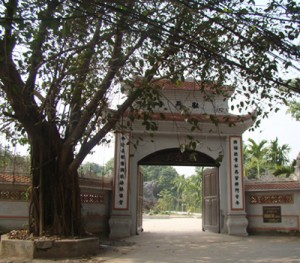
(257, 153)
(249, 168)
(265, 156)
(165, 202)
(109, 167)
(192, 195)
(162, 176)
(13, 163)
(294, 104)
(294, 109)
(277, 155)
(61, 63)
(90, 168)
(180, 183)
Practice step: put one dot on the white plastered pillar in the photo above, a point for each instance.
(236, 218)
(120, 221)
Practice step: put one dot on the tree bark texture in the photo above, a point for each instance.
(55, 195)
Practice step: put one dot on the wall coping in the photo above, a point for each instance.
(103, 183)
(274, 185)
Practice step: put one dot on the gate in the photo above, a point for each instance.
(210, 199)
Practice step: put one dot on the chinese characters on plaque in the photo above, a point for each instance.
(121, 176)
(236, 173)
(271, 199)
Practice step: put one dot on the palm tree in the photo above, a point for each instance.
(179, 185)
(277, 155)
(257, 154)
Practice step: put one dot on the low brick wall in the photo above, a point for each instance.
(273, 206)
(95, 200)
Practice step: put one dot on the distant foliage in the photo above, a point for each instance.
(265, 156)
(294, 109)
(13, 163)
(91, 169)
(173, 192)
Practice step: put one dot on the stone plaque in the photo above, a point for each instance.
(272, 214)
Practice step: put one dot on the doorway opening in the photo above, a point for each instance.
(165, 193)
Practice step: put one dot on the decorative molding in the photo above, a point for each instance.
(12, 195)
(272, 186)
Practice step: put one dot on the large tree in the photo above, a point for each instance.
(61, 63)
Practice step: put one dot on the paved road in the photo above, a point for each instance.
(181, 240)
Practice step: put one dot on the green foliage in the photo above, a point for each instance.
(62, 62)
(109, 167)
(294, 109)
(91, 169)
(192, 195)
(256, 154)
(165, 201)
(163, 176)
(14, 163)
(63, 59)
(264, 156)
(277, 155)
(175, 192)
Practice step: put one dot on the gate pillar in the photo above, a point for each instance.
(120, 226)
(120, 220)
(236, 218)
(237, 224)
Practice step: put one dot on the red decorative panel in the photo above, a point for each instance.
(13, 195)
(92, 198)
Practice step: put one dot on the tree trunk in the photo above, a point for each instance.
(55, 196)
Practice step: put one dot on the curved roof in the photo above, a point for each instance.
(228, 119)
(187, 85)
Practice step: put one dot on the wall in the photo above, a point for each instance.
(273, 206)
(95, 199)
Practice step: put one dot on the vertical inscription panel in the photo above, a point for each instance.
(236, 173)
(121, 175)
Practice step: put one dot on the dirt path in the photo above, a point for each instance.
(181, 240)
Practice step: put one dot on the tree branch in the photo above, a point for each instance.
(37, 55)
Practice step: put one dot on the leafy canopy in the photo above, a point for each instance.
(62, 62)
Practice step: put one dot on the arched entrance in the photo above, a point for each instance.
(210, 183)
(219, 143)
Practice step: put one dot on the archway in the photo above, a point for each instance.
(209, 183)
